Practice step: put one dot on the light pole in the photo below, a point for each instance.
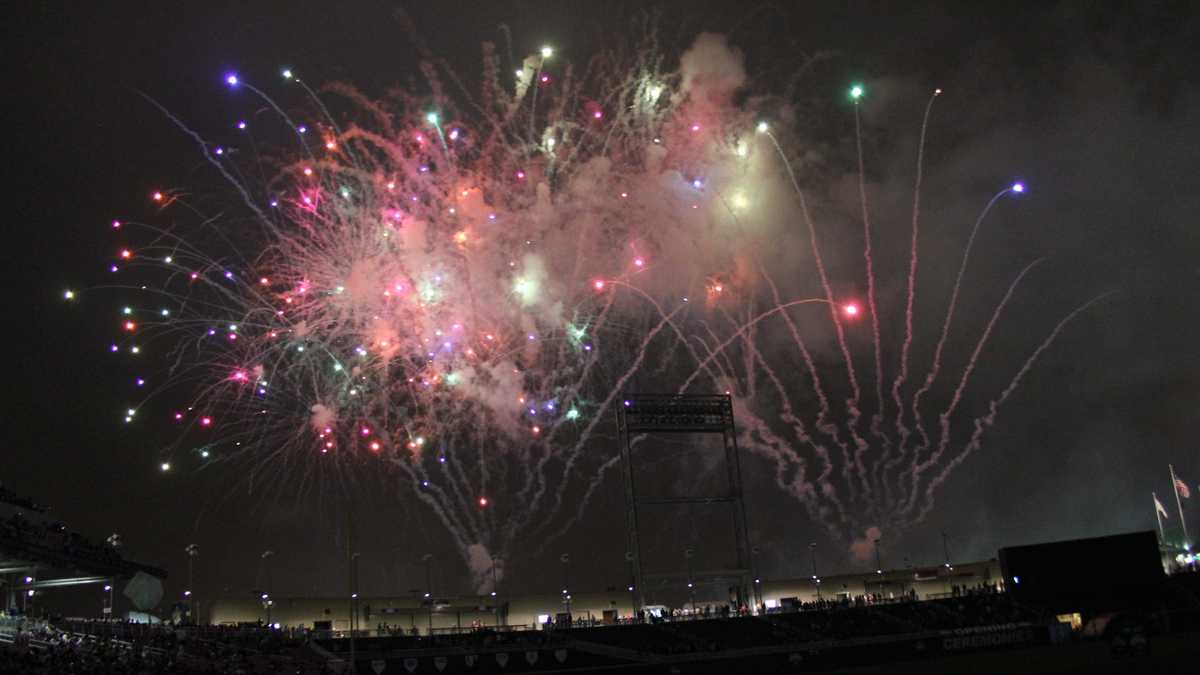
(878, 567)
(265, 598)
(754, 573)
(114, 542)
(691, 583)
(192, 551)
(946, 552)
(353, 603)
(428, 558)
(495, 601)
(633, 608)
(812, 551)
(106, 607)
(566, 563)
(266, 569)
(25, 597)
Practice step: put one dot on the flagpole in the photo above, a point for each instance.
(1158, 516)
(1175, 486)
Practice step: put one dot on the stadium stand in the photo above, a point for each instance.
(41, 541)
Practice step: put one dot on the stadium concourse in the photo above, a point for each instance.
(443, 613)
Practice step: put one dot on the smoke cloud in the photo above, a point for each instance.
(862, 549)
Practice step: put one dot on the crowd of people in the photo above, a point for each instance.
(102, 647)
(829, 620)
(43, 649)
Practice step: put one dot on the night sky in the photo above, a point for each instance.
(1096, 109)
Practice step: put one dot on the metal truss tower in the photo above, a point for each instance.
(690, 414)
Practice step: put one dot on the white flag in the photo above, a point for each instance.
(1161, 510)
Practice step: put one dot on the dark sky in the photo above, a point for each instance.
(1096, 108)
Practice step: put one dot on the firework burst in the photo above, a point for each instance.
(461, 287)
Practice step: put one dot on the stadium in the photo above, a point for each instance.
(634, 336)
(989, 616)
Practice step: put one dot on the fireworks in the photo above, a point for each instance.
(463, 289)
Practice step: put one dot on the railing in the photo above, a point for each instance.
(13, 624)
(513, 628)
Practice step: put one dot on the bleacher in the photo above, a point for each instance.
(84, 646)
